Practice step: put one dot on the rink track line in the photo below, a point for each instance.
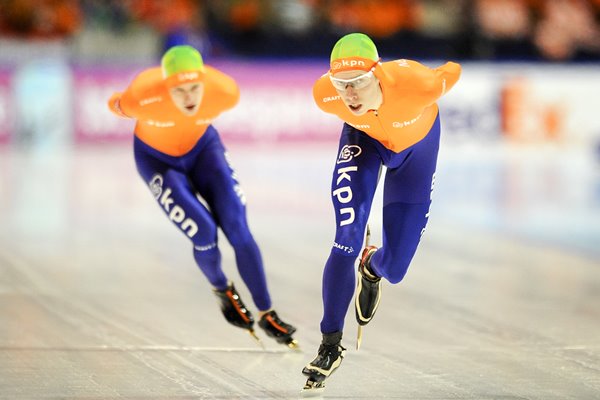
(147, 348)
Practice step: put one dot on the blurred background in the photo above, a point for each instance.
(135, 30)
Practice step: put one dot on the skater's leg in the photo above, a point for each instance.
(215, 180)
(337, 291)
(406, 198)
(177, 199)
(353, 186)
(403, 225)
(355, 176)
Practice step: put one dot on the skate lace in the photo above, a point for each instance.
(365, 265)
(237, 303)
(276, 322)
(276, 325)
(327, 354)
(235, 298)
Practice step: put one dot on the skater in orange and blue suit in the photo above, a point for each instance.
(391, 120)
(181, 158)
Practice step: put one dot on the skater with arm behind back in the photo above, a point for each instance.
(391, 120)
(180, 156)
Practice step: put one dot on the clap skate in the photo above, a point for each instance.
(275, 328)
(329, 357)
(368, 290)
(234, 310)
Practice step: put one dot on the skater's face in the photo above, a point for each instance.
(187, 97)
(359, 91)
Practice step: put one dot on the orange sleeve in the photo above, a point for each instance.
(448, 74)
(425, 85)
(325, 96)
(114, 104)
(145, 85)
(127, 103)
(318, 93)
(229, 91)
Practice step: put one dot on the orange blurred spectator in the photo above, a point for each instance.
(239, 16)
(166, 16)
(443, 18)
(245, 15)
(503, 19)
(567, 27)
(377, 18)
(503, 28)
(40, 18)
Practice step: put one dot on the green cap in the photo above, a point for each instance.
(354, 45)
(181, 58)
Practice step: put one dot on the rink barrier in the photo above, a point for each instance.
(521, 102)
(7, 112)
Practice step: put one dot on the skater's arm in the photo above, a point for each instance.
(114, 104)
(423, 84)
(447, 75)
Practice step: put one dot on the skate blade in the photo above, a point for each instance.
(312, 389)
(293, 345)
(253, 334)
(359, 332)
(358, 337)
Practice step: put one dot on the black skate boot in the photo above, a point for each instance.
(234, 310)
(330, 356)
(368, 290)
(277, 329)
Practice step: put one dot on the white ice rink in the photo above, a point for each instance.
(100, 297)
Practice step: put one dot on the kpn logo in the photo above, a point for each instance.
(174, 211)
(348, 64)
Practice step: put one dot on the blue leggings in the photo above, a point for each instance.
(406, 199)
(178, 184)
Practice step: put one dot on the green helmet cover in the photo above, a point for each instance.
(354, 45)
(181, 58)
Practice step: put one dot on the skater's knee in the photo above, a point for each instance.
(396, 276)
(237, 232)
(206, 248)
(204, 238)
(393, 270)
(348, 242)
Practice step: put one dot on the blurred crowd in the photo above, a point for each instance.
(550, 30)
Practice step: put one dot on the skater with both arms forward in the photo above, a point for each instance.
(181, 158)
(391, 120)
